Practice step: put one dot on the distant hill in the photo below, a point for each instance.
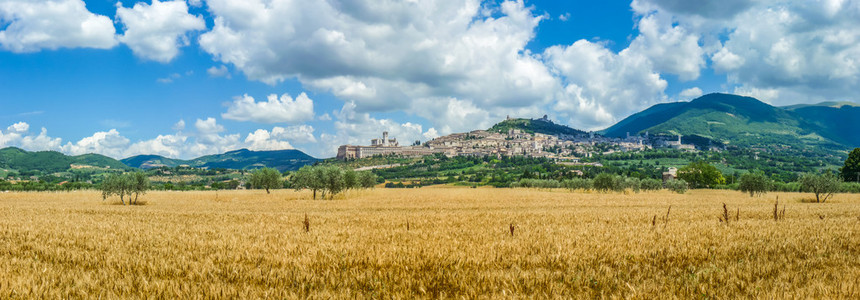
(52, 161)
(838, 121)
(283, 160)
(745, 121)
(534, 126)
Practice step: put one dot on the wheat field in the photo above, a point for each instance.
(436, 242)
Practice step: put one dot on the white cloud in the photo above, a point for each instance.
(724, 60)
(431, 134)
(564, 17)
(17, 136)
(165, 145)
(671, 48)
(109, 143)
(382, 55)
(784, 51)
(179, 126)
(206, 138)
(357, 128)
(19, 128)
(219, 71)
(766, 95)
(600, 86)
(261, 140)
(169, 79)
(301, 134)
(53, 24)
(717, 9)
(156, 31)
(691, 93)
(274, 110)
(41, 142)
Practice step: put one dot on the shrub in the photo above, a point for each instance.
(537, 183)
(851, 187)
(679, 186)
(650, 184)
(625, 183)
(786, 187)
(577, 184)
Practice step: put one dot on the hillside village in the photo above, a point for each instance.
(514, 142)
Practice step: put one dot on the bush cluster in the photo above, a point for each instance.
(604, 182)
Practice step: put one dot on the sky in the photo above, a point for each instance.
(184, 79)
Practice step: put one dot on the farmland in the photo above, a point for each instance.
(431, 242)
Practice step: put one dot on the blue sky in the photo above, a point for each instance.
(177, 78)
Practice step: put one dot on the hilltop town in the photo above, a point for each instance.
(517, 140)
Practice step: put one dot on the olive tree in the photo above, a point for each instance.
(139, 183)
(266, 178)
(123, 185)
(754, 183)
(366, 179)
(822, 185)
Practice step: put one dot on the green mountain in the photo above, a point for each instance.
(52, 161)
(838, 121)
(535, 126)
(283, 160)
(745, 121)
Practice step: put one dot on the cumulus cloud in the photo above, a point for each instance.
(785, 52)
(274, 110)
(601, 86)
(357, 128)
(109, 143)
(219, 71)
(53, 24)
(17, 135)
(691, 93)
(670, 48)
(19, 128)
(719, 9)
(207, 137)
(382, 55)
(156, 31)
(263, 140)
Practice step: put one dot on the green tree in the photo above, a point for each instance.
(305, 178)
(851, 170)
(350, 179)
(605, 182)
(822, 185)
(122, 185)
(139, 184)
(115, 184)
(700, 174)
(266, 178)
(755, 183)
(333, 181)
(366, 179)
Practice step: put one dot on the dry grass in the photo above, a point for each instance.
(429, 242)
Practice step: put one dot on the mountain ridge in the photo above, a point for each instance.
(241, 159)
(744, 121)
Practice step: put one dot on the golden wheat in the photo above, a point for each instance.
(429, 242)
